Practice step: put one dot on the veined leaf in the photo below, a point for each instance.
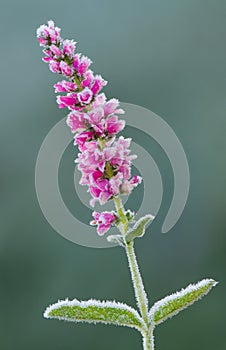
(138, 229)
(172, 304)
(95, 311)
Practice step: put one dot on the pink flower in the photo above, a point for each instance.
(103, 221)
(88, 78)
(69, 47)
(54, 66)
(47, 60)
(99, 100)
(91, 159)
(118, 153)
(67, 101)
(48, 34)
(42, 41)
(110, 107)
(101, 195)
(95, 115)
(97, 180)
(66, 70)
(49, 55)
(113, 125)
(100, 188)
(83, 65)
(115, 182)
(92, 163)
(85, 96)
(56, 51)
(76, 121)
(76, 60)
(65, 86)
(83, 137)
(98, 84)
(128, 186)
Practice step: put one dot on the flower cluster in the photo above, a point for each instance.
(104, 161)
(82, 86)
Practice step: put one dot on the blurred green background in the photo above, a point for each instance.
(167, 56)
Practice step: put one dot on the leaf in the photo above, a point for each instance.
(116, 239)
(173, 304)
(95, 311)
(138, 229)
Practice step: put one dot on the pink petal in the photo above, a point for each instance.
(85, 96)
(102, 229)
(110, 106)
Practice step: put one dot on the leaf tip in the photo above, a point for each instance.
(49, 311)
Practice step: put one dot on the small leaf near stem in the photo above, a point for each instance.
(116, 239)
(138, 229)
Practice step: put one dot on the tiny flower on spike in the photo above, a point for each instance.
(85, 96)
(103, 220)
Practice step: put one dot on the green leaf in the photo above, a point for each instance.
(116, 239)
(95, 311)
(138, 229)
(173, 304)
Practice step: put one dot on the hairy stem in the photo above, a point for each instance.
(140, 294)
(148, 340)
(121, 213)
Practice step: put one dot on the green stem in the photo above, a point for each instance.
(140, 294)
(148, 340)
(101, 143)
(77, 81)
(138, 285)
(121, 213)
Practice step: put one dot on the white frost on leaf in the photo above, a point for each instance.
(176, 302)
(116, 239)
(95, 311)
(138, 230)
